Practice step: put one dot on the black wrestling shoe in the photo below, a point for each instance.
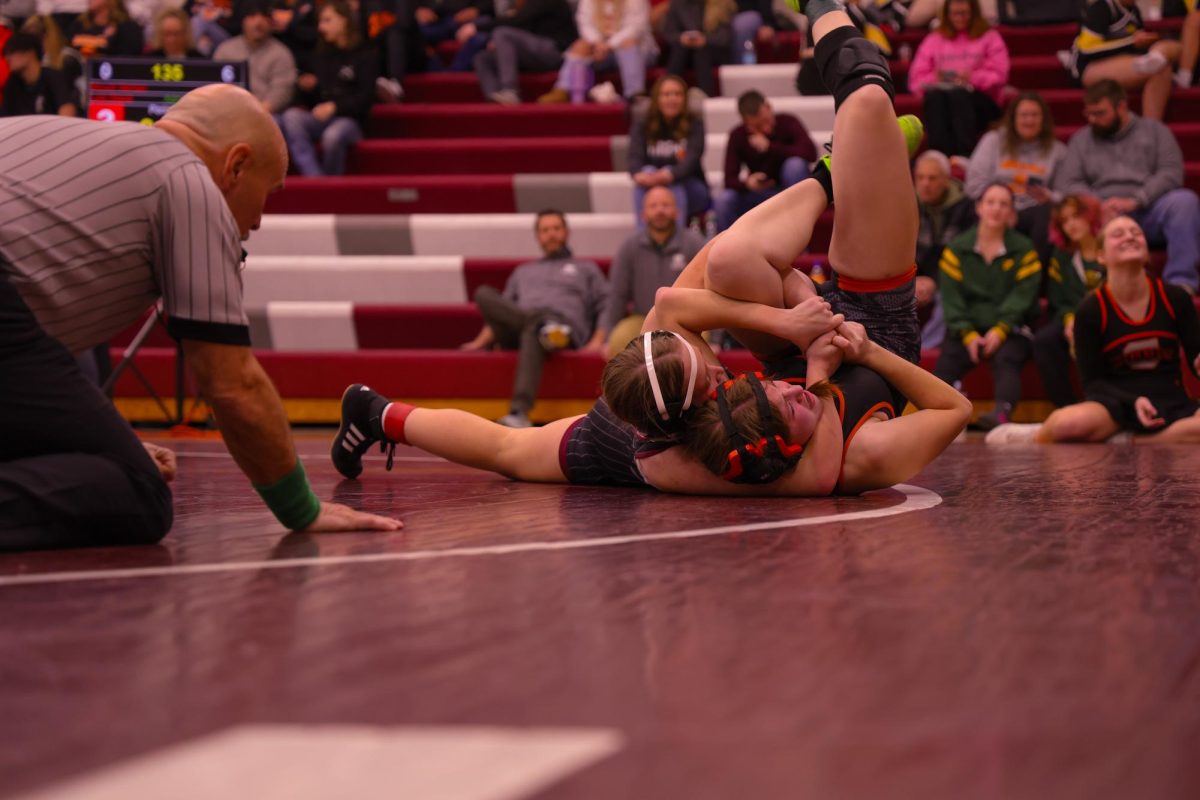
(362, 426)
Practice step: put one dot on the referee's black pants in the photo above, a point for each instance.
(72, 471)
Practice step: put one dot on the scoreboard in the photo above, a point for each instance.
(142, 89)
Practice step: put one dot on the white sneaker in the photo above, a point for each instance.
(1121, 437)
(1013, 433)
(604, 93)
(515, 420)
(388, 90)
(505, 97)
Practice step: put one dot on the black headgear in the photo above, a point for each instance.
(754, 462)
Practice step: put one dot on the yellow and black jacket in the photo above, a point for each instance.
(1066, 288)
(1107, 30)
(978, 296)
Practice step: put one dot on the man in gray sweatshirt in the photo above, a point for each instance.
(548, 305)
(272, 66)
(645, 262)
(1135, 167)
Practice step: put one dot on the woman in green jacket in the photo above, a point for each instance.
(989, 287)
(1073, 272)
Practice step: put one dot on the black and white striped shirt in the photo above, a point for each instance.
(99, 220)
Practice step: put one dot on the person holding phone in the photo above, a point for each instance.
(698, 34)
(1023, 154)
(959, 72)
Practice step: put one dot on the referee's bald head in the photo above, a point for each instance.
(239, 142)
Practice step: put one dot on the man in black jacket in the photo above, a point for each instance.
(945, 212)
(532, 39)
(32, 88)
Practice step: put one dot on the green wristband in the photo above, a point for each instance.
(291, 499)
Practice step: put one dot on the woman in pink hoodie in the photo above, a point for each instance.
(960, 69)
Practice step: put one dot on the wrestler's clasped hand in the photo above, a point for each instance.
(852, 338)
(808, 319)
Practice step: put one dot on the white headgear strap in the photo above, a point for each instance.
(690, 377)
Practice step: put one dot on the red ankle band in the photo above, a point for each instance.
(393, 421)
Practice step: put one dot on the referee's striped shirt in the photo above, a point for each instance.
(99, 220)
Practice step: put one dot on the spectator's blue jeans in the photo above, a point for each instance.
(691, 197)
(208, 29)
(731, 203)
(446, 28)
(745, 29)
(934, 332)
(301, 130)
(440, 31)
(464, 59)
(1174, 220)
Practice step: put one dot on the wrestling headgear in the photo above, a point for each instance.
(755, 462)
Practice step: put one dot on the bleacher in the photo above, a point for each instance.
(368, 276)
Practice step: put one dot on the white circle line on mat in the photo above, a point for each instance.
(915, 499)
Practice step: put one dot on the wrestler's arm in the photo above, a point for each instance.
(885, 453)
(692, 277)
(701, 309)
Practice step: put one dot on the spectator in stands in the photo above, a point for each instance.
(944, 211)
(754, 22)
(1189, 43)
(443, 20)
(391, 27)
(1074, 271)
(989, 288)
(32, 88)
(105, 29)
(338, 95)
(923, 13)
(548, 305)
(55, 52)
(1024, 154)
(11, 14)
(610, 32)
(775, 151)
(172, 37)
(213, 22)
(1113, 45)
(1134, 165)
(1129, 339)
(145, 13)
(959, 71)
(699, 36)
(272, 67)
(647, 260)
(666, 144)
(532, 38)
(294, 23)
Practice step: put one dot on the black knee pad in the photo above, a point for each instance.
(847, 62)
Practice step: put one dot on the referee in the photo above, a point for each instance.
(97, 222)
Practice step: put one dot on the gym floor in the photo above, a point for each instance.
(1015, 623)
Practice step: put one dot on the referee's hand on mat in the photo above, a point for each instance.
(336, 517)
(164, 459)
